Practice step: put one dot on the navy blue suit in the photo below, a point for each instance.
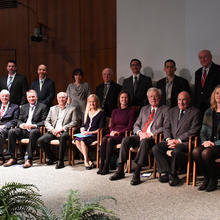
(9, 119)
(47, 93)
(18, 88)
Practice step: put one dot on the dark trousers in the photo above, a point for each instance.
(17, 134)
(177, 160)
(45, 140)
(3, 136)
(205, 158)
(134, 141)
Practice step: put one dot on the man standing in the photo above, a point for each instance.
(171, 85)
(8, 118)
(60, 118)
(15, 83)
(206, 79)
(137, 84)
(108, 92)
(44, 87)
(150, 122)
(184, 121)
(31, 117)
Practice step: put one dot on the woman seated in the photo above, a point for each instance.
(206, 154)
(78, 91)
(93, 120)
(122, 120)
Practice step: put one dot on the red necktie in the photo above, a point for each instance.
(2, 111)
(149, 120)
(204, 75)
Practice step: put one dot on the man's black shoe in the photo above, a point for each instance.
(173, 180)
(50, 162)
(135, 179)
(213, 182)
(117, 176)
(204, 184)
(164, 178)
(59, 165)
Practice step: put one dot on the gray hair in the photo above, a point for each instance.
(5, 92)
(31, 90)
(154, 89)
(62, 93)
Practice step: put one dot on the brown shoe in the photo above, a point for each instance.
(10, 162)
(27, 164)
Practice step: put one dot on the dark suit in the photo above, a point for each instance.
(39, 115)
(18, 88)
(110, 102)
(144, 145)
(190, 124)
(138, 98)
(9, 119)
(47, 93)
(179, 84)
(70, 120)
(202, 95)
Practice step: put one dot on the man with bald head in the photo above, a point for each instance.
(206, 79)
(184, 121)
(108, 92)
(44, 86)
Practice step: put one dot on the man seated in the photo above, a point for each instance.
(31, 117)
(184, 121)
(60, 118)
(8, 118)
(150, 122)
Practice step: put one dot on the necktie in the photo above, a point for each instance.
(135, 83)
(105, 92)
(149, 120)
(10, 82)
(204, 75)
(2, 111)
(180, 117)
(41, 84)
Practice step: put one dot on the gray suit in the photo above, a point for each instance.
(144, 145)
(190, 124)
(70, 120)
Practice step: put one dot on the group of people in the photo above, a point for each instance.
(170, 109)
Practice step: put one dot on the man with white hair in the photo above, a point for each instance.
(31, 117)
(60, 118)
(8, 118)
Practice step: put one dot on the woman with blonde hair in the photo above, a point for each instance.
(94, 119)
(206, 154)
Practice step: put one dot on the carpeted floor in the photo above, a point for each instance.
(149, 200)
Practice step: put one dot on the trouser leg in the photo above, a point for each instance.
(63, 142)
(3, 136)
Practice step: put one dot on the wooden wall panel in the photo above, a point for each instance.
(81, 33)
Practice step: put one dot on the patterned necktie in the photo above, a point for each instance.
(2, 111)
(204, 75)
(149, 120)
(10, 82)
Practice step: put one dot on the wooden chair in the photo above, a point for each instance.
(158, 138)
(94, 144)
(194, 166)
(56, 143)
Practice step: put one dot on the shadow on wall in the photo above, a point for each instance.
(186, 74)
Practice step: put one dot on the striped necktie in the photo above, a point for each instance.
(149, 120)
(10, 82)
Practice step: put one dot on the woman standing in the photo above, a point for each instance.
(78, 91)
(122, 120)
(206, 154)
(94, 119)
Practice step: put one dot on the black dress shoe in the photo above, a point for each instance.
(104, 172)
(173, 180)
(117, 176)
(88, 167)
(50, 162)
(164, 178)
(204, 184)
(59, 165)
(212, 185)
(135, 180)
(99, 171)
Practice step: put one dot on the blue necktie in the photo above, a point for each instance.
(10, 82)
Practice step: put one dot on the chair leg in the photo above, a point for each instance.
(72, 152)
(188, 169)
(149, 160)
(194, 174)
(69, 154)
(129, 162)
(44, 157)
(154, 169)
(40, 155)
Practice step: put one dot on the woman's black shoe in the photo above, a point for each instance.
(99, 171)
(212, 185)
(204, 184)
